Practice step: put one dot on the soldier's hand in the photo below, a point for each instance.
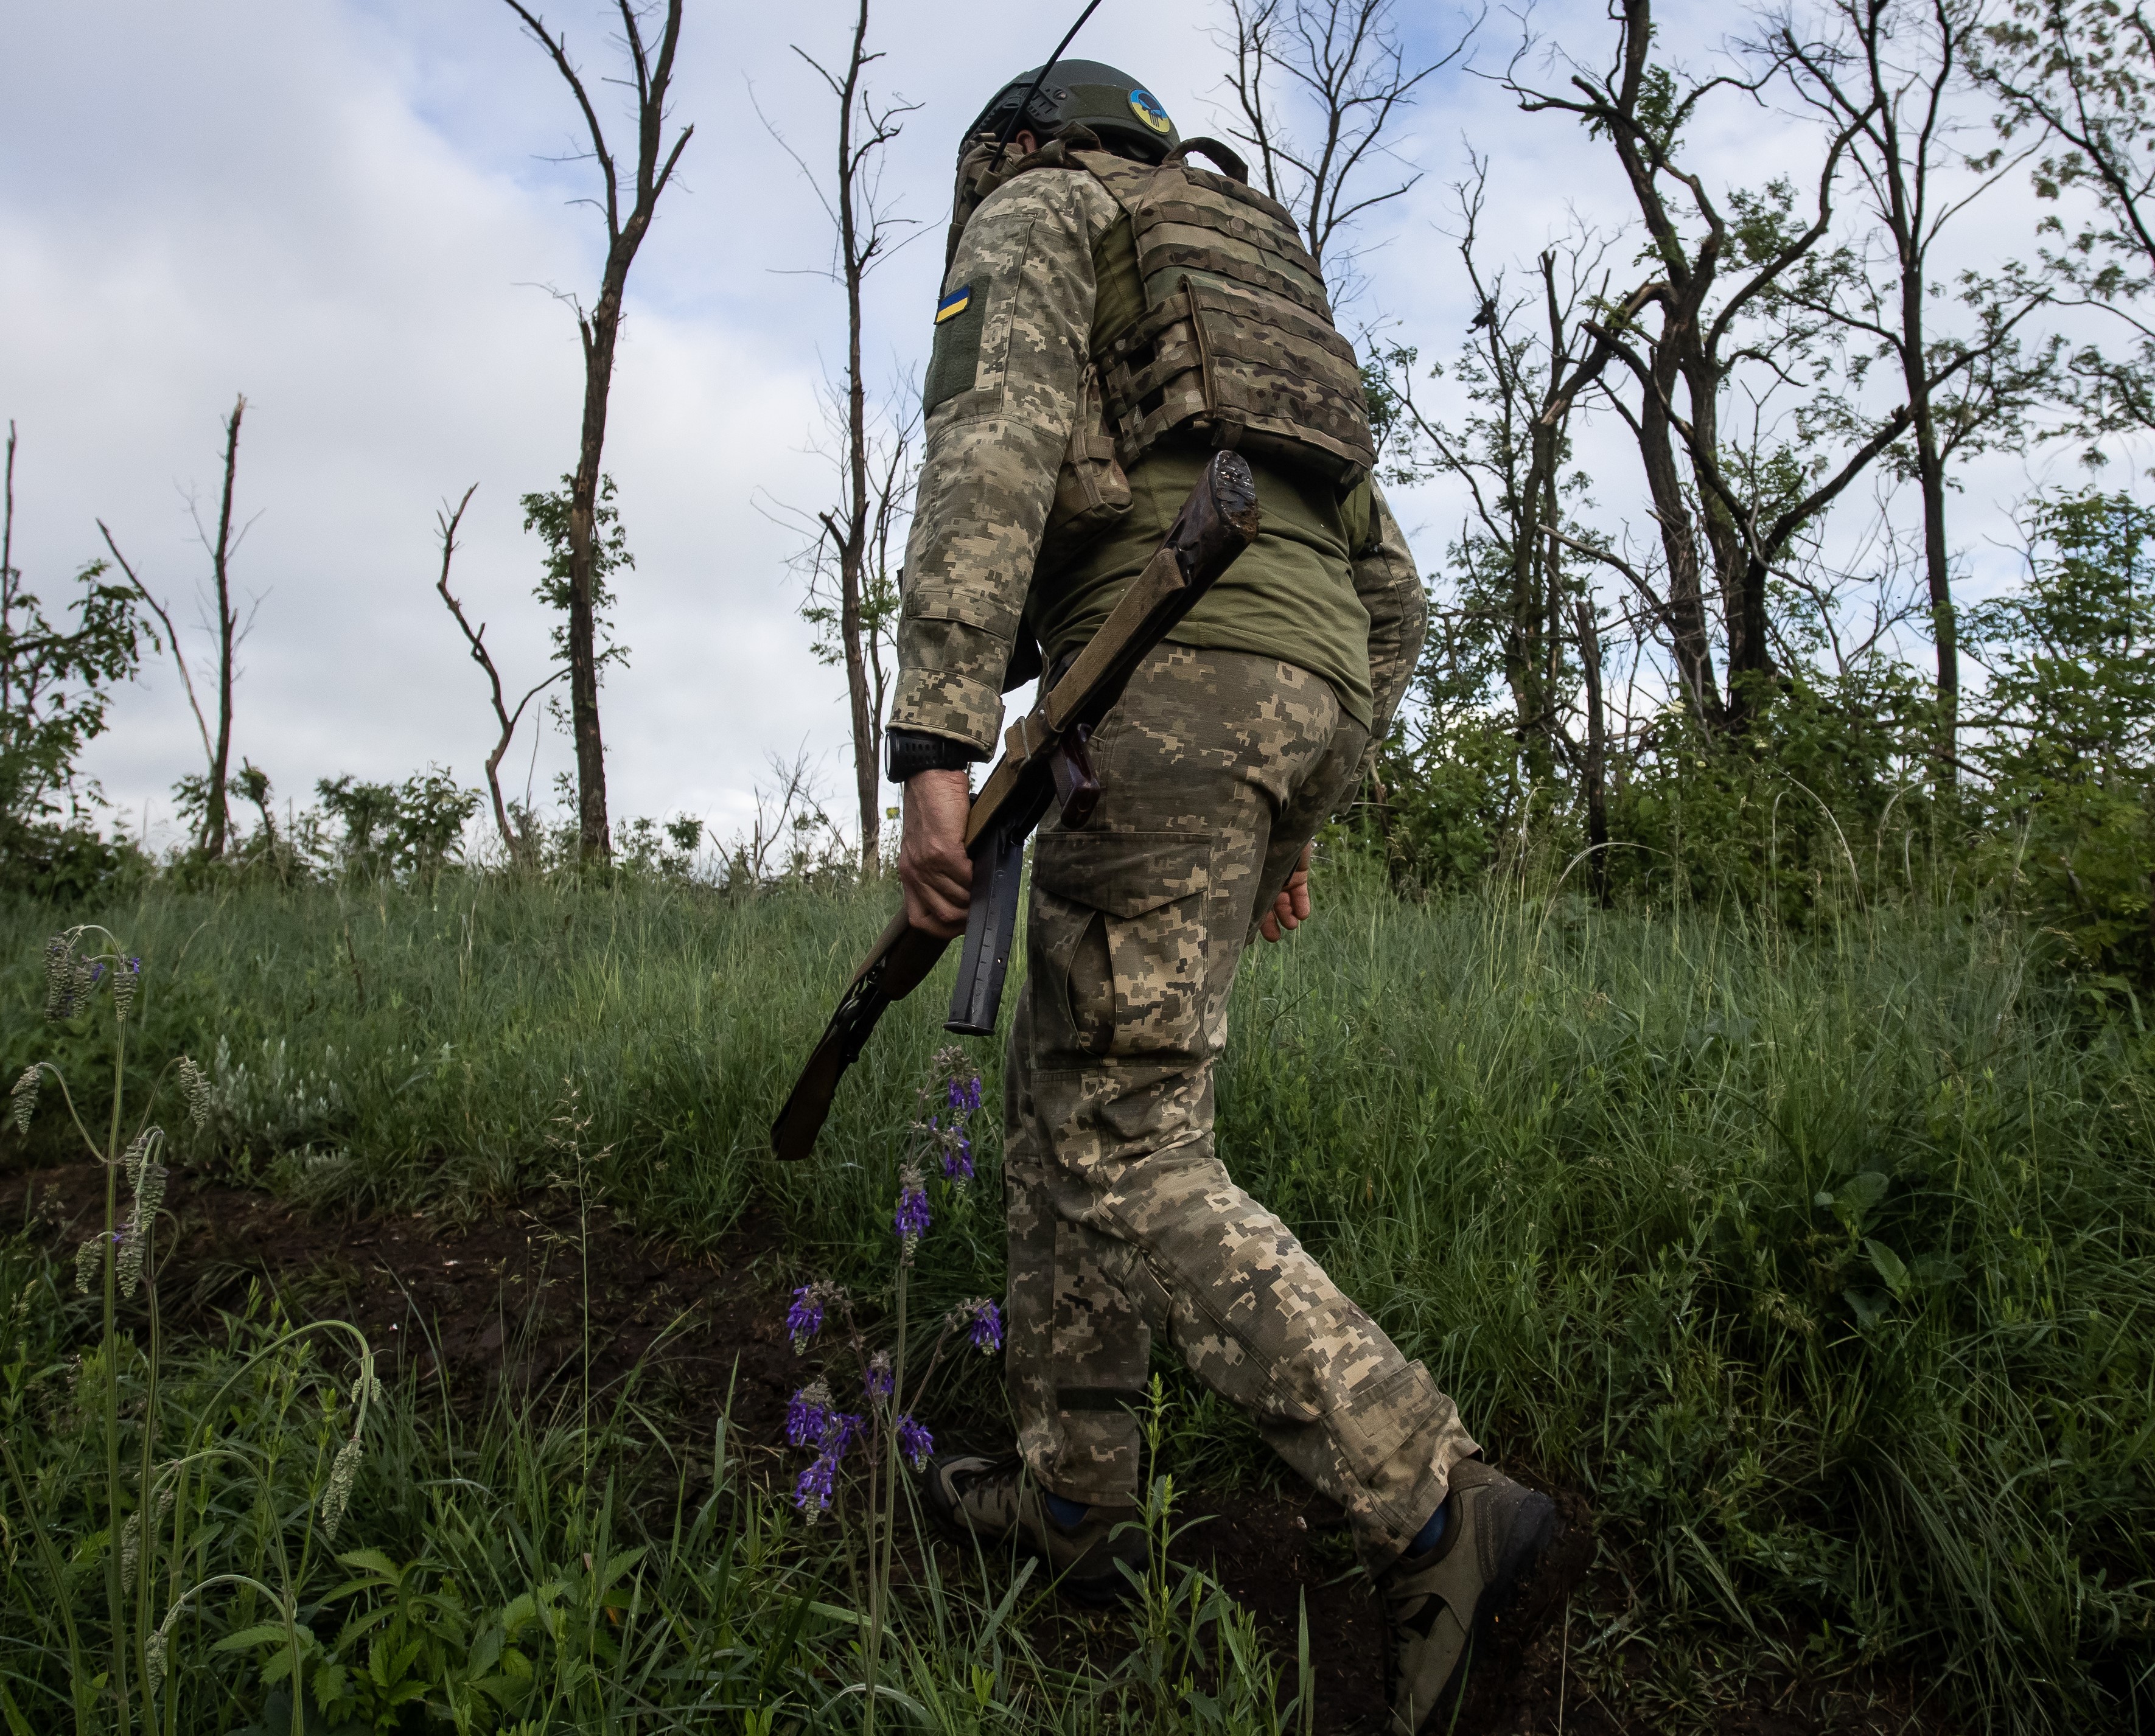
(1291, 909)
(932, 863)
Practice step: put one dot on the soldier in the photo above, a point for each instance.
(1110, 313)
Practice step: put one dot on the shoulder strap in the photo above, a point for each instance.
(1229, 159)
(1126, 181)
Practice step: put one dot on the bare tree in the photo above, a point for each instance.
(893, 470)
(520, 844)
(1344, 60)
(600, 329)
(1709, 275)
(216, 813)
(212, 834)
(172, 639)
(1525, 360)
(1885, 79)
(866, 233)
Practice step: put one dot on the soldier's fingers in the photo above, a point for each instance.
(934, 912)
(1268, 925)
(950, 875)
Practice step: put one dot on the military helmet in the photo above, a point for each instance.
(1113, 104)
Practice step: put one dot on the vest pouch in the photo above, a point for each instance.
(1091, 491)
(1253, 373)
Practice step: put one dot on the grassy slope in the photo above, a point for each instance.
(1826, 1265)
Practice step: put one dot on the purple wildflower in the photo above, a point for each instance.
(964, 1094)
(911, 1219)
(986, 1330)
(878, 1381)
(808, 1414)
(914, 1442)
(958, 1159)
(811, 1494)
(805, 1319)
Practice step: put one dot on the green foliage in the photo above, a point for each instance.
(1814, 1256)
(2071, 732)
(1813, 1261)
(57, 684)
(1829, 798)
(1822, 803)
(548, 514)
(415, 828)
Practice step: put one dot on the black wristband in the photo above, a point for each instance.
(908, 752)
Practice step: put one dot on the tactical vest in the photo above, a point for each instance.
(1234, 341)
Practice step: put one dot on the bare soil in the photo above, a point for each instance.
(513, 1295)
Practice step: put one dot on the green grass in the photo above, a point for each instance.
(1824, 1266)
(520, 1570)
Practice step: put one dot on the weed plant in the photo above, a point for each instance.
(1821, 1262)
(489, 1584)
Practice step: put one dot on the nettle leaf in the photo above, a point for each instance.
(1870, 1306)
(328, 1685)
(1889, 1267)
(486, 1651)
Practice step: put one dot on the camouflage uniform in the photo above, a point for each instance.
(1217, 765)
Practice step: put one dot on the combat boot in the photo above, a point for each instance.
(991, 1498)
(1463, 1596)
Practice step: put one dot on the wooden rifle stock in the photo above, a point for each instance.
(1217, 522)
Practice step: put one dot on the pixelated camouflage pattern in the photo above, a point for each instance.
(988, 475)
(996, 451)
(1237, 342)
(1217, 767)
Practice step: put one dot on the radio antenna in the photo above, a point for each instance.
(1010, 126)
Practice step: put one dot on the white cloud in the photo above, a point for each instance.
(342, 208)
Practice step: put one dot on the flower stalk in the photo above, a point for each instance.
(888, 1424)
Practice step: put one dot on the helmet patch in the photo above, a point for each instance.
(1146, 106)
(954, 304)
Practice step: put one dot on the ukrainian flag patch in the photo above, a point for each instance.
(954, 304)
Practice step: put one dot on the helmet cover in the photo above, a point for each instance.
(1088, 93)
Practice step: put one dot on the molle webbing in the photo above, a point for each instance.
(1236, 341)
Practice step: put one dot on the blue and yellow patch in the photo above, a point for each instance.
(953, 304)
(1146, 107)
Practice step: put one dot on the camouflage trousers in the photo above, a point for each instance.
(1217, 767)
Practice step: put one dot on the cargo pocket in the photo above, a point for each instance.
(1148, 891)
(1091, 491)
(1372, 1427)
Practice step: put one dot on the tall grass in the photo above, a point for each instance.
(1824, 1264)
(484, 1580)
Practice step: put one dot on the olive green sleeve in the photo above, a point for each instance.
(1391, 591)
(1003, 390)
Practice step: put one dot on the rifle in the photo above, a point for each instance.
(1044, 763)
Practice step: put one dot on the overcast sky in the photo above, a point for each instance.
(347, 210)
